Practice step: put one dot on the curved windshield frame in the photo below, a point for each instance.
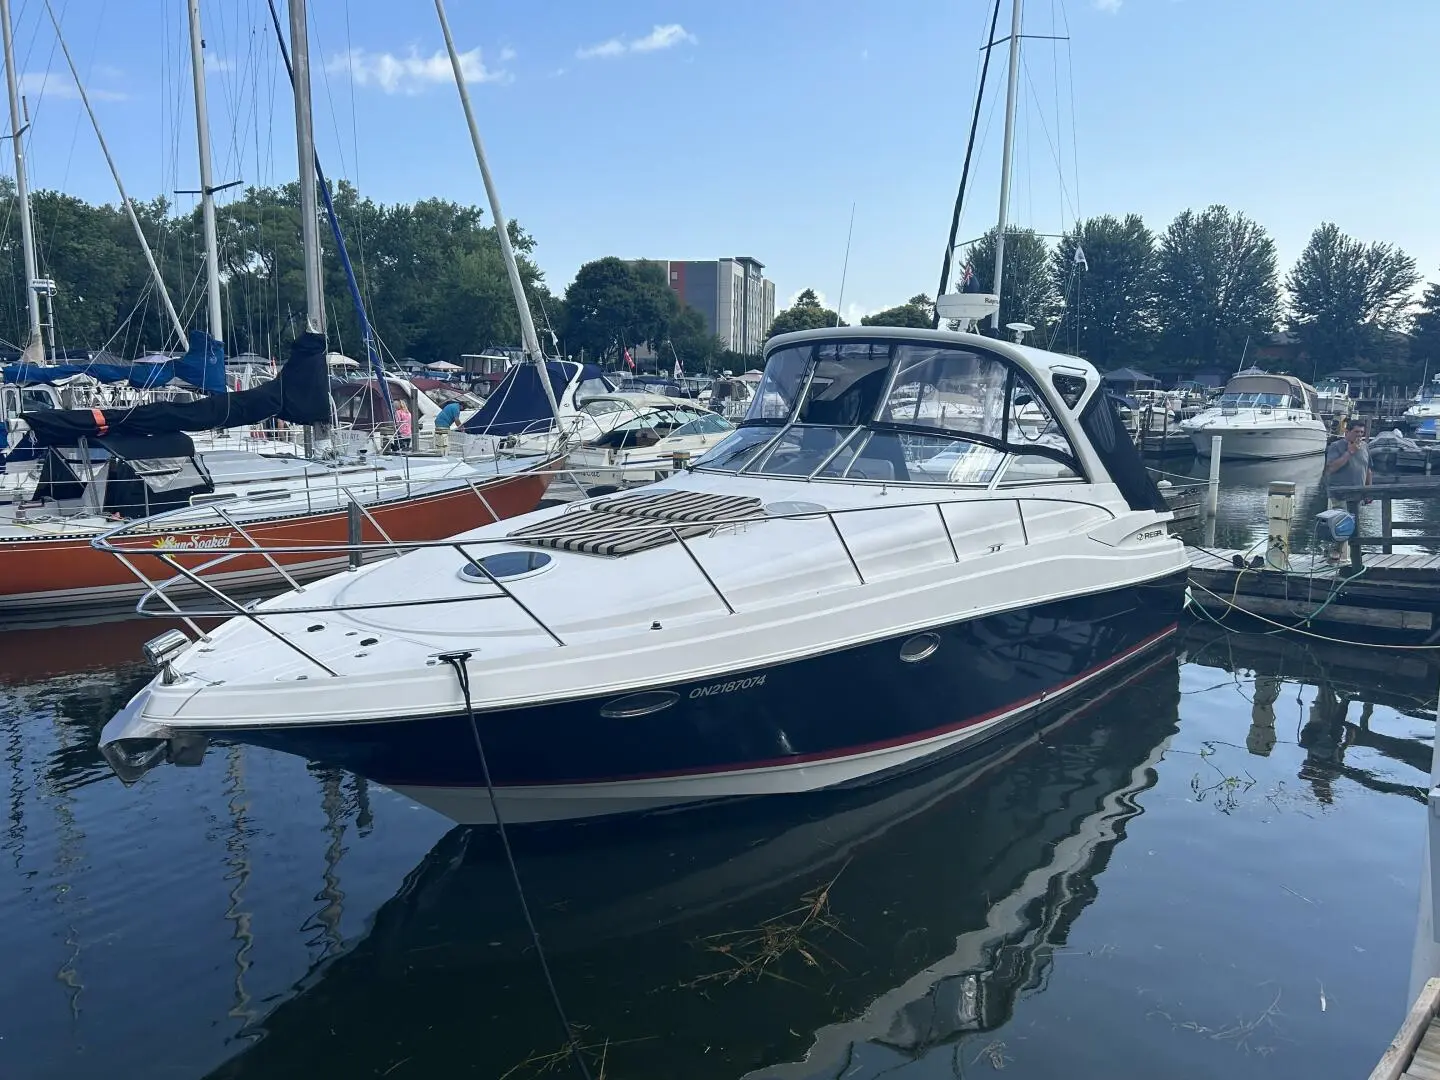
(894, 411)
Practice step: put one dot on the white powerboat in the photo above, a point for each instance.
(1332, 398)
(1260, 416)
(644, 437)
(1426, 410)
(517, 419)
(834, 594)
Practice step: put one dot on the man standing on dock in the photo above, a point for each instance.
(1347, 464)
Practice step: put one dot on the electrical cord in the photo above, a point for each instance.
(457, 660)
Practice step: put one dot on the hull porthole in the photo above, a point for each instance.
(643, 704)
(919, 647)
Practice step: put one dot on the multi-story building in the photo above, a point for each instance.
(734, 296)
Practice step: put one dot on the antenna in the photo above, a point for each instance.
(845, 269)
(1020, 329)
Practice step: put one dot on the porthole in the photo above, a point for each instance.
(506, 566)
(919, 647)
(642, 704)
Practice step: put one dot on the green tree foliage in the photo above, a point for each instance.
(805, 314)
(1348, 299)
(613, 304)
(1215, 286)
(918, 311)
(1425, 339)
(431, 273)
(1107, 302)
(692, 341)
(1027, 293)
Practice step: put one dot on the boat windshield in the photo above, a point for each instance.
(896, 412)
(1254, 401)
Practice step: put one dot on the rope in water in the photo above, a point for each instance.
(457, 660)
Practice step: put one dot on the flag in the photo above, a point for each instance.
(1080, 260)
(969, 283)
(679, 371)
(629, 360)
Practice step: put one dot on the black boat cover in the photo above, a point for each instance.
(299, 395)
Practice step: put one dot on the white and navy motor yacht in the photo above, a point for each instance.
(852, 583)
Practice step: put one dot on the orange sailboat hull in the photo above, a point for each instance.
(47, 573)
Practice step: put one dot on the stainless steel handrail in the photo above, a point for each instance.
(235, 609)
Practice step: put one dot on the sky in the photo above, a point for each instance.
(675, 130)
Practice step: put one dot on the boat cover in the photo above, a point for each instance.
(203, 366)
(299, 395)
(518, 405)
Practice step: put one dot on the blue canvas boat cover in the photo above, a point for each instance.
(202, 366)
(518, 405)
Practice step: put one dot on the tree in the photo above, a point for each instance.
(918, 311)
(1348, 299)
(1107, 296)
(805, 314)
(1425, 332)
(1215, 286)
(613, 304)
(1027, 293)
(692, 341)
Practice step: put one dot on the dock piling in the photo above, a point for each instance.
(1212, 496)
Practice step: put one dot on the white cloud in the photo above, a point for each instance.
(40, 84)
(1110, 7)
(412, 73)
(660, 37)
(507, 54)
(663, 37)
(216, 65)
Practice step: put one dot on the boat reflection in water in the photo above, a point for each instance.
(951, 887)
(1349, 683)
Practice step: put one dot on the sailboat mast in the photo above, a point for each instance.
(305, 145)
(1009, 151)
(36, 345)
(528, 337)
(207, 190)
(119, 184)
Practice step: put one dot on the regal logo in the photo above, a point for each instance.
(194, 542)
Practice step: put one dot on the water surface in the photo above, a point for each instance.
(1209, 867)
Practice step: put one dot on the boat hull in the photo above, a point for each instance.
(1262, 444)
(834, 719)
(47, 573)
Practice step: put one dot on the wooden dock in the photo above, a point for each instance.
(1394, 595)
(1415, 1052)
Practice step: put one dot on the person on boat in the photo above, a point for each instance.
(444, 421)
(403, 426)
(1347, 464)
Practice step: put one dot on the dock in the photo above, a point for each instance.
(1395, 594)
(1398, 594)
(1414, 1054)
